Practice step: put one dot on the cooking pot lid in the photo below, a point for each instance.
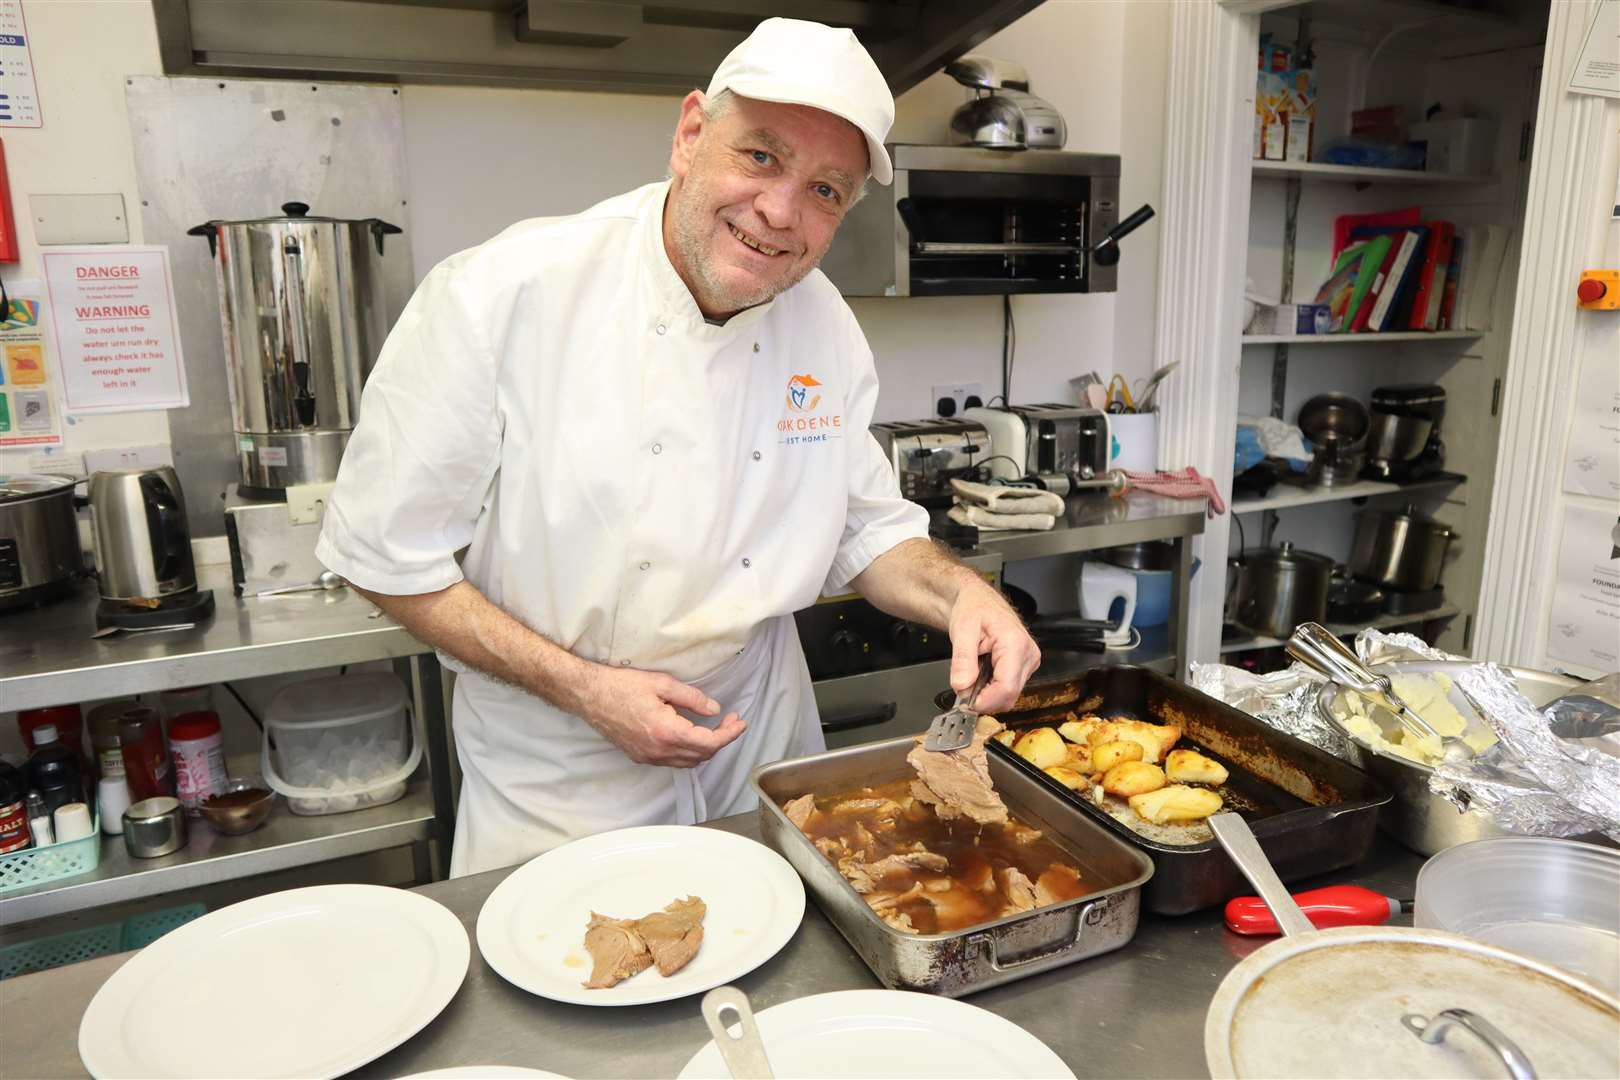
(294, 213)
(1333, 1003)
(1285, 554)
(17, 487)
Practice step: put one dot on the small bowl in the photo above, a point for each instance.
(154, 827)
(233, 812)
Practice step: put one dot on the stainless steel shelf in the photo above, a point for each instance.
(1094, 520)
(1289, 496)
(1382, 622)
(284, 842)
(1357, 174)
(47, 656)
(1393, 337)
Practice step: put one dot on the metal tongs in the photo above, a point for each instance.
(1315, 646)
(954, 729)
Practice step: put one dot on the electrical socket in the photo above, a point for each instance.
(128, 457)
(957, 392)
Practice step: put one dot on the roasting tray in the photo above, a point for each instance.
(961, 961)
(1311, 812)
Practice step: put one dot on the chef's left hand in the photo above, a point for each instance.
(983, 622)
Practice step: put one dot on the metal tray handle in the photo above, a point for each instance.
(1088, 914)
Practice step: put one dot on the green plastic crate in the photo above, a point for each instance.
(136, 932)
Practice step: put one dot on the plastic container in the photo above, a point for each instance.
(147, 767)
(103, 724)
(341, 743)
(1464, 145)
(37, 865)
(54, 769)
(1555, 900)
(197, 746)
(66, 719)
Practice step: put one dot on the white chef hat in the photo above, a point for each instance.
(805, 63)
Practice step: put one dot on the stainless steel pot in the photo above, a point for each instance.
(302, 311)
(1279, 588)
(1399, 549)
(1417, 817)
(39, 539)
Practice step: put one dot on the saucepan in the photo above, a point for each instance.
(1395, 1001)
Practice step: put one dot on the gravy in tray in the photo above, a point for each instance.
(925, 875)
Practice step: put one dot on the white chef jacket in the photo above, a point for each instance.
(640, 486)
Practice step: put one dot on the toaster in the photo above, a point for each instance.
(1051, 442)
(927, 454)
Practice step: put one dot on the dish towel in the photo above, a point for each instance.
(995, 506)
(1181, 484)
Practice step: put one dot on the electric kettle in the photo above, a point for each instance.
(143, 550)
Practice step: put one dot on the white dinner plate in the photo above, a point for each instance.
(889, 1033)
(532, 928)
(304, 983)
(486, 1072)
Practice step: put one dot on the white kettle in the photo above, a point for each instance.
(1100, 586)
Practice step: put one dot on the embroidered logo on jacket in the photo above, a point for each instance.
(799, 399)
(803, 403)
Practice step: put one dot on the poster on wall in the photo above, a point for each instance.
(30, 400)
(112, 308)
(19, 92)
(1592, 460)
(1583, 631)
(1597, 71)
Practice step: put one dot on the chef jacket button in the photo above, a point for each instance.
(658, 448)
(646, 565)
(756, 346)
(747, 563)
(756, 455)
(661, 329)
(624, 663)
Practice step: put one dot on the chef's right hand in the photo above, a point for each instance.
(636, 711)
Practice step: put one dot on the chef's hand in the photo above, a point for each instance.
(636, 711)
(983, 622)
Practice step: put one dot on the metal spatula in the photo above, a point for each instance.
(743, 1053)
(954, 729)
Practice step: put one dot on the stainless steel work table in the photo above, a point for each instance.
(48, 657)
(1137, 1012)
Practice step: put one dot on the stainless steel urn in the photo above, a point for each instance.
(301, 305)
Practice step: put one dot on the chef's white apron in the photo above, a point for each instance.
(530, 785)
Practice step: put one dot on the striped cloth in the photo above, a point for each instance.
(1181, 484)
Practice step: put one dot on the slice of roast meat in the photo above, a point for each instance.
(957, 782)
(617, 951)
(673, 934)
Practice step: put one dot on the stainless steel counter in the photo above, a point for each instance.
(1137, 1012)
(47, 656)
(1094, 520)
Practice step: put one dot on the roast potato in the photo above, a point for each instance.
(1132, 778)
(1042, 748)
(1079, 731)
(1156, 739)
(1176, 803)
(1067, 777)
(1006, 738)
(1191, 767)
(1105, 756)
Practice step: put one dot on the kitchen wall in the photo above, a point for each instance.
(480, 159)
(82, 51)
(1101, 62)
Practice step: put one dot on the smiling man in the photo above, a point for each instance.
(604, 458)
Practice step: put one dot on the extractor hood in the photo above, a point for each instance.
(666, 47)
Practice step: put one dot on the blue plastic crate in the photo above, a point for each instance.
(136, 932)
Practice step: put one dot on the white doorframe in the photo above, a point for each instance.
(1569, 184)
(1203, 249)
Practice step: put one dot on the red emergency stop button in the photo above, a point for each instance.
(1599, 290)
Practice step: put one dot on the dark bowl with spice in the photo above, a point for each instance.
(242, 807)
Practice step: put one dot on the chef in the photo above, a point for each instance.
(603, 458)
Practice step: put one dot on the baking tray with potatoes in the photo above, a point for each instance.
(1151, 759)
